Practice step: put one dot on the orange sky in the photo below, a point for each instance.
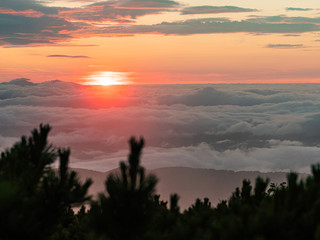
(161, 41)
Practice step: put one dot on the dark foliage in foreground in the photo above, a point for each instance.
(36, 203)
(34, 198)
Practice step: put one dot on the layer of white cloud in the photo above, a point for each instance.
(266, 127)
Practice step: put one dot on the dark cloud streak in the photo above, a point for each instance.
(214, 10)
(20, 30)
(277, 24)
(67, 56)
(298, 9)
(285, 46)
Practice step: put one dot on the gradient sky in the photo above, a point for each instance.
(160, 41)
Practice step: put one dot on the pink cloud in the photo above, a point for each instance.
(25, 13)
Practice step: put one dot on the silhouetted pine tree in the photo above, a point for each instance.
(33, 196)
(126, 211)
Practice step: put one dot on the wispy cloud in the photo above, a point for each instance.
(29, 22)
(20, 6)
(22, 30)
(26, 13)
(285, 46)
(48, 30)
(215, 9)
(67, 56)
(276, 24)
(118, 11)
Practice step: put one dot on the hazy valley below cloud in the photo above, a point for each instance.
(231, 127)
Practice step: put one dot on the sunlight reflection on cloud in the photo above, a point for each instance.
(107, 78)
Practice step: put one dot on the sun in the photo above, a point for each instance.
(106, 78)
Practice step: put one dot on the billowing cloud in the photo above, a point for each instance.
(214, 10)
(211, 97)
(19, 82)
(298, 9)
(285, 46)
(67, 56)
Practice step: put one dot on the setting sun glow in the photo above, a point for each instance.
(107, 78)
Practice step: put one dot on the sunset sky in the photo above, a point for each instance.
(160, 41)
(153, 49)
